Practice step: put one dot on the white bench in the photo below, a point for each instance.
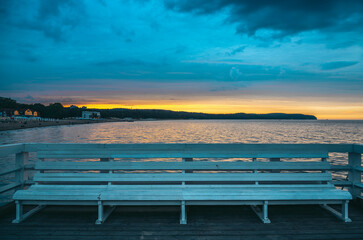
(183, 183)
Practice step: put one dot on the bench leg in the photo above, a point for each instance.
(263, 215)
(100, 213)
(102, 216)
(19, 212)
(343, 215)
(345, 211)
(183, 214)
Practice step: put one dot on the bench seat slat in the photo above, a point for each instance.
(177, 177)
(76, 195)
(189, 186)
(236, 195)
(68, 187)
(196, 165)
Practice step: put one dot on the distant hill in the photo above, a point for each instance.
(167, 114)
(56, 110)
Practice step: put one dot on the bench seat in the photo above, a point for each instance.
(179, 193)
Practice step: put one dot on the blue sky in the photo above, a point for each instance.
(211, 56)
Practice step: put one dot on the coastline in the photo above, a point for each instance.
(15, 125)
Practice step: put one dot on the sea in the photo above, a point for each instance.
(195, 131)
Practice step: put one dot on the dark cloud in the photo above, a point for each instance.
(49, 9)
(341, 44)
(337, 65)
(103, 3)
(52, 18)
(47, 100)
(236, 50)
(181, 49)
(224, 89)
(283, 17)
(123, 33)
(29, 97)
(53, 32)
(123, 62)
(27, 55)
(5, 6)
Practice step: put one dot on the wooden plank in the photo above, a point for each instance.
(68, 187)
(189, 186)
(196, 165)
(357, 148)
(50, 197)
(75, 195)
(342, 183)
(30, 166)
(5, 150)
(9, 170)
(339, 167)
(108, 147)
(173, 154)
(282, 197)
(250, 191)
(354, 160)
(35, 147)
(74, 192)
(9, 187)
(177, 177)
(20, 160)
(222, 195)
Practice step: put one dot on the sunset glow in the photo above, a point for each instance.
(321, 112)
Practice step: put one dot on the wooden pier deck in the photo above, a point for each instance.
(204, 222)
(162, 222)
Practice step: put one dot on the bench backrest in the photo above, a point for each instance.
(214, 172)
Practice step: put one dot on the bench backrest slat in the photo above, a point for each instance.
(179, 177)
(196, 165)
(82, 154)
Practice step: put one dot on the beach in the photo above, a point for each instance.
(13, 125)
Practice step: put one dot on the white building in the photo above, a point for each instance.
(91, 115)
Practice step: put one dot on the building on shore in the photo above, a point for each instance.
(18, 113)
(91, 115)
(26, 113)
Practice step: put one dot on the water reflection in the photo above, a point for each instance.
(195, 131)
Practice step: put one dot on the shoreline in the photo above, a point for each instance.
(16, 125)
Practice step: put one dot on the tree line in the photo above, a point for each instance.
(53, 110)
(57, 110)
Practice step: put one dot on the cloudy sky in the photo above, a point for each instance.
(215, 56)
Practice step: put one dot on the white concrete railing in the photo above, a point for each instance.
(20, 177)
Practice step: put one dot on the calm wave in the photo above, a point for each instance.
(195, 131)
